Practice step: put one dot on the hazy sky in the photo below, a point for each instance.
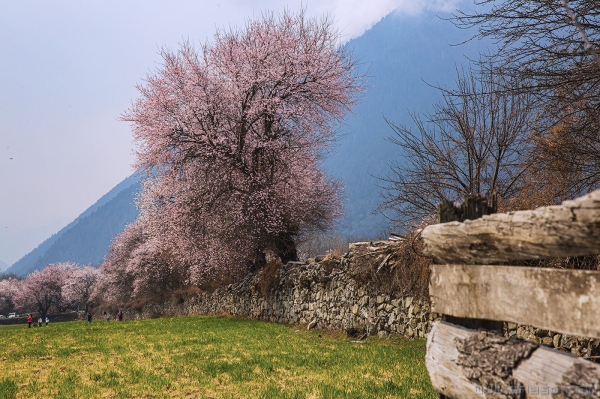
(68, 69)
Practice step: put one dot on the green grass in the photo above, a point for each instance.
(204, 357)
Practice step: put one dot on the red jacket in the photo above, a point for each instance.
(29, 319)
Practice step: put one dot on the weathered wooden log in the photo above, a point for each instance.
(471, 364)
(553, 299)
(570, 229)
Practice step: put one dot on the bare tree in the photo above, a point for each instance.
(553, 45)
(563, 165)
(474, 142)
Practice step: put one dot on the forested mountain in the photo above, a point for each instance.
(86, 239)
(400, 55)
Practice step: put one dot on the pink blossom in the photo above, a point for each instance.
(42, 289)
(8, 289)
(78, 285)
(231, 138)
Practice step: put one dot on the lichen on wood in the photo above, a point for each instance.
(488, 359)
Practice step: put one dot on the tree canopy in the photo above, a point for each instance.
(553, 46)
(231, 136)
(476, 141)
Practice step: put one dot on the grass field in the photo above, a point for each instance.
(204, 357)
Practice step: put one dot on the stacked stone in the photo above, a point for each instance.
(582, 347)
(317, 294)
(321, 294)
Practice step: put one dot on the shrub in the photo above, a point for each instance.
(269, 277)
(396, 268)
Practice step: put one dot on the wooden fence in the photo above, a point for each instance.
(467, 355)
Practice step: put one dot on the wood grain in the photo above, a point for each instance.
(471, 364)
(561, 300)
(570, 229)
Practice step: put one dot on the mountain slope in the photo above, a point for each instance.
(86, 239)
(399, 54)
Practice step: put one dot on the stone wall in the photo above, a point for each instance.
(323, 294)
(578, 346)
(318, 294)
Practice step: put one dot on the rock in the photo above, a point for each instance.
(391, 319)
(382, 334)
(511, 326)
(567, 341)
(355, 309)
(312, 324)
(547, 341)
(556, 340)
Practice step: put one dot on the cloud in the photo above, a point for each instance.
(354, 17)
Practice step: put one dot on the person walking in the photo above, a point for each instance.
(89, 318)
(29, 320)
(120, 316)
(47, 321)
(106, 316)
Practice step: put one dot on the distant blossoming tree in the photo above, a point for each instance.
(8, 288)
(78, 284)
(138, 267)
(42, 289)
(231, 138)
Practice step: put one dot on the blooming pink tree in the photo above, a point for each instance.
(42, 289)
(78, 285)
(138, 266)
(231, 138)
(8, 288)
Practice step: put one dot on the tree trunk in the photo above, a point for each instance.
(286, 248)
(260, 260)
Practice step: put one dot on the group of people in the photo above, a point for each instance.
(89, 319)
(39, 323)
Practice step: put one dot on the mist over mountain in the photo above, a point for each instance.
(399, 55)
(86, 239)
(3, 266)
